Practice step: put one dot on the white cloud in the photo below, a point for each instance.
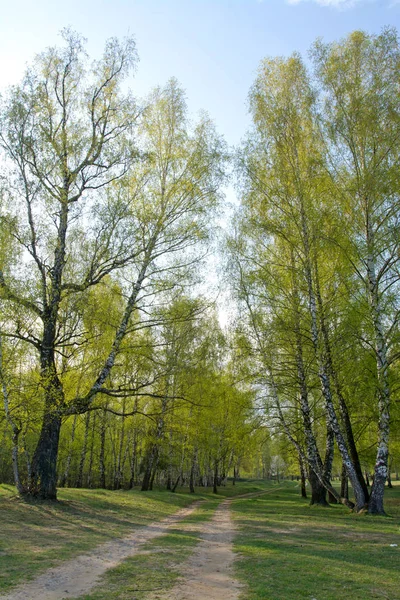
(332, 3)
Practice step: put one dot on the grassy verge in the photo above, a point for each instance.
(290, 551)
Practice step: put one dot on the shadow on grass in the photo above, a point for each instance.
(290, 550)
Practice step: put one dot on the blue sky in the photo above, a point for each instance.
(212, 47)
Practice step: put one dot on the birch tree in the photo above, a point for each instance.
(90, 205)
(360, 78)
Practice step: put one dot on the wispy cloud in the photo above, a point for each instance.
(340, 4)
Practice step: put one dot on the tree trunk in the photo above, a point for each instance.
(146, 480)
(324, 369)
(102, 466)
(389, 477)
(215, 478)
(64, 478)
(133, 461)
(344, 483)
(328, 461)
(193, 471)
(150, 468)
(90, 467)
(17, 479)
(318, 491)
(79, 480)
(28, 463)
(44, 462)
(303, 475)
(375, 505)
(176, 484)
(14, 428)
(153, 475)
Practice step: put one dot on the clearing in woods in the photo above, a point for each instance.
(263, 542)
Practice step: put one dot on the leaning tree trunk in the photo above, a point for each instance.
(375, 505)
(328, 461)
(318, 491)
(344, 483)
(349, 441)
(303, 477)
(323, 372)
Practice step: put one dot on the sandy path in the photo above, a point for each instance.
(208, 574)
(78, 576)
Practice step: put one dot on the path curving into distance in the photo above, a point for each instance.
(79, 575)
(206, 575)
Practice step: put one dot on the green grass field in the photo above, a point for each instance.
(289, 550)
(35, 536)
(286, 549)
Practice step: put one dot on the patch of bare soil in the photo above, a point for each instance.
(79, 575)
(208, 574)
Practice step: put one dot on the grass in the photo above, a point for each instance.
(36, 536)
(158, 565)
(290, 551)
(286, 549)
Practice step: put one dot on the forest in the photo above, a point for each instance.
(115, 370)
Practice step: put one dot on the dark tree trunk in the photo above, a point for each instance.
(150, 468)
(14, 455)
(215, 479)
(102, 465)
(153, 476)
(133, 461)
(328, 462)
(344, 483)
(192, 472)
(90, 467)
(176, 483)
(234, 475)
(146, 480)
(318, 491)
(303, 476)
(44, 462)
(79, 480)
